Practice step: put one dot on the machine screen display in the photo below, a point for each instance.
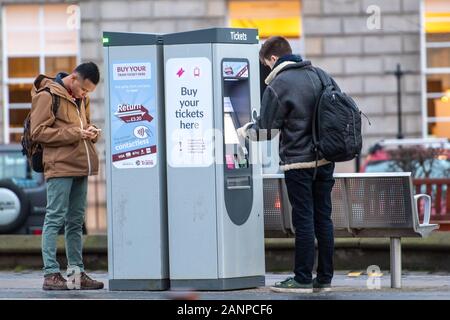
(236, 111)
(235, 69)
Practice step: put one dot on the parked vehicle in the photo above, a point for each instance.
(23, 195)
(426, 158)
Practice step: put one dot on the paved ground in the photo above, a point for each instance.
(423, 286)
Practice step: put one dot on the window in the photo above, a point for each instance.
(436, 67)
(37, 39)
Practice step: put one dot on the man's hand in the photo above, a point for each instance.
(242, 131)
(242, 135)
(85, 134)
(90, 133)
(94, 131)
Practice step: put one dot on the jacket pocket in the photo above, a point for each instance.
(48, 158)
(93, 157)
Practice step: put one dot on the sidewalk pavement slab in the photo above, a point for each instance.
(416, 286)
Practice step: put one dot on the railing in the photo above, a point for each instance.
(439, 190)
(96, 202)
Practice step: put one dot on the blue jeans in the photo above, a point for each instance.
(311, 217)
(66, 205)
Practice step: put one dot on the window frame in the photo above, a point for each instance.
(426, 71)
(7, 106)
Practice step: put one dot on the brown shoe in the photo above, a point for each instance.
(54, 281)
(86, 283)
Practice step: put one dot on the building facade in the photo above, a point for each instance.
(360, 42)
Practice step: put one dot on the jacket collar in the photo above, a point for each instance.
(59, 79)
(289, 57)
(284, 66)
(276, 70)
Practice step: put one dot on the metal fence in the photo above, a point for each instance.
(439, 190)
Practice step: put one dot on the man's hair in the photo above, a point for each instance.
(88, 70)
(274, 46)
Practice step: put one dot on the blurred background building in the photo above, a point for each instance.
(358, 41)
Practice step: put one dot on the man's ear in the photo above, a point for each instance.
(70, 77)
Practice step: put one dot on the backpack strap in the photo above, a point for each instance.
(324, 78)
(55, 100)
(29, 148)
(55, 104)
(325, 82)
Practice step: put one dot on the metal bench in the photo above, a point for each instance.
(364, 205)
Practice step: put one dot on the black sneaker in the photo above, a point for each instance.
(290, 285)
(321, 287)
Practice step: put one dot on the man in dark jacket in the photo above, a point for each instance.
(288, 104)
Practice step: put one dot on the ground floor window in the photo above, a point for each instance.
(36, 39)
(436, 68)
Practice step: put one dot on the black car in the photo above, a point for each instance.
(23, 195)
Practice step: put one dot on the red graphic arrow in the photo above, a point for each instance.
(140, 113)
(146, 115)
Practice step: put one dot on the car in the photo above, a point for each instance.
(434, 157)
(429, 162)
(23, 194)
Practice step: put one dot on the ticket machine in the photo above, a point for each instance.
(214, 179)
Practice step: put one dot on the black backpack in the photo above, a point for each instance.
(32, 150)
(336, 124)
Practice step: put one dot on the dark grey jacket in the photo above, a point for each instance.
(288, 104)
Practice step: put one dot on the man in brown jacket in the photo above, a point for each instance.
(69, 157)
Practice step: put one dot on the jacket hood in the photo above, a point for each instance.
(43, 81)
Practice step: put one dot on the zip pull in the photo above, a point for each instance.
(366, 117)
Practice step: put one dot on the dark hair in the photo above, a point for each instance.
(274, 46)
(88, 70)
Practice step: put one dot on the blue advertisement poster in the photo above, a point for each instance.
(133, 115)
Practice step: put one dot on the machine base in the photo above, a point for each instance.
(138, 284)
(218, 284)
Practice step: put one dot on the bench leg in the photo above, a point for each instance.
(396, 263)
